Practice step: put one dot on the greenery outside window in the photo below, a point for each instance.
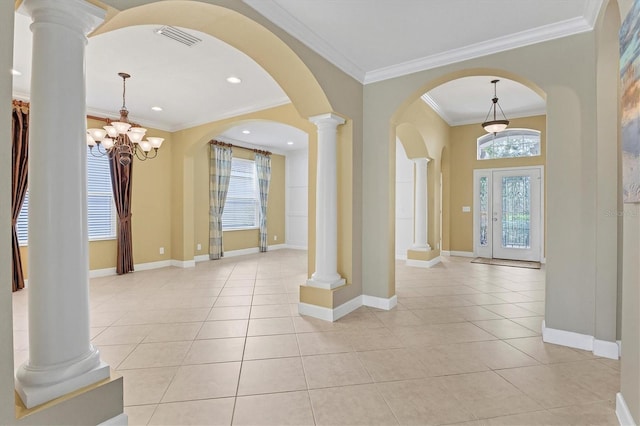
(511, 143)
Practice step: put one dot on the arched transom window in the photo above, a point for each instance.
(509, 144)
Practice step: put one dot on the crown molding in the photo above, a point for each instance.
(508, 42)
(520, 114)
(283, 19)
(247, 145)
(591, 11)
(435, 107)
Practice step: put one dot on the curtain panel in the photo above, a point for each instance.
(263, 168)
(19, 173)
(219, 174)
(121, 185)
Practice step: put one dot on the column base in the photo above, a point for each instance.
(421, 248)
(36, 386)
(328, 285)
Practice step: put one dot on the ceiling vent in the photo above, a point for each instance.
(178, 35)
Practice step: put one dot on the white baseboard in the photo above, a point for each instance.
(242, 252)
(201, 258)
(277, 247)
(606, 349)
(183, 263)
(296, 246)
(580, 341)
(328, 314)
(96, 273)
(119, 420)
(401, 256)
(153, 265)
(622, 412)
(380, 302)
(424, 263)
(457, 253)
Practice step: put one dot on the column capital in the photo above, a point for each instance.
(78, 15)
(327, 119)
(424, 160)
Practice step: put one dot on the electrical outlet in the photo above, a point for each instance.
(161, 250)
(275, 238)
(199, 246)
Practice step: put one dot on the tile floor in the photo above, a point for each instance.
(222, 343)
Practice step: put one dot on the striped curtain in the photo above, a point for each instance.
(19, 171)
(263, 167)
(219, 173)
(121, 185)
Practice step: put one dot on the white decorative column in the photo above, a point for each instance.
(61, 357)
(420, 232)
(326, 274)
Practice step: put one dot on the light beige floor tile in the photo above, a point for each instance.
(270, 311)
(537, 307)
(148, 355)
(114, 354)
(305, 324)
(423, 401)
(272, 375)
(146, 386)
(105, 319)
(139, 415)
(241, 280)
(596, 414)
(270, 299)
(546, 353)
(330, 370)
(203, 381)
(392, 364)
(487, 394)
(512, 297)
(324, 342)
(236, 291)
(288, 408)
(173, 332)
(532, 323)
(270, 326)
(444, 360)
(269, 289)
(278, 346)
(222, 329)
(475, 313)
(229, 313)
(223, 301)
(592, 375)
(509, 310)
(548, 387)
(351, 405)
(215, 350)
(123, 335)
(204, 412)
(504, 328)
(399, 318)
(373, 339)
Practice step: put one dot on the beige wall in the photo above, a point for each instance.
(464, 161)
(241, 239)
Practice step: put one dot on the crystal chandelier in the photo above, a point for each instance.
(121, 139)
(495, 125)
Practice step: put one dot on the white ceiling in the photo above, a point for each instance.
(370, 40)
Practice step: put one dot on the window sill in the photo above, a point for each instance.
(26, 244)
(240, 229)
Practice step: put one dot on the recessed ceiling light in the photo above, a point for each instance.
(246, 132)
(290, 143)
(156, 108)
(15, 72)
(234, 80)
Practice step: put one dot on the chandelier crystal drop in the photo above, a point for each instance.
(496, 125)
(121, 138)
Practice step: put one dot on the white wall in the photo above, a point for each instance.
(297, 188)
(404, 202)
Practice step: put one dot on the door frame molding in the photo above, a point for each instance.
(475, 201)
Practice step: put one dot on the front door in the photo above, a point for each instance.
(508, 213)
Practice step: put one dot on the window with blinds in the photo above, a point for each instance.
(101, 212)
(242, 203)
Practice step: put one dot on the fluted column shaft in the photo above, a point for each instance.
(420, 215)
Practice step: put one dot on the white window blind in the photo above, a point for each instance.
(101, 213)
(241, 205)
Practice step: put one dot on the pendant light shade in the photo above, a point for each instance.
(496, 125)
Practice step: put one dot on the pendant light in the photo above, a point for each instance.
(495, 125)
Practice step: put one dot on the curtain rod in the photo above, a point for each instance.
(258, 151)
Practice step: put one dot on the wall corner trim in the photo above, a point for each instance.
(585, 342)
(328, 314)
(622, 411)
(424, 263)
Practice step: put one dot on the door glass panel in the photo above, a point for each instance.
(484, 211)
(516, 212)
